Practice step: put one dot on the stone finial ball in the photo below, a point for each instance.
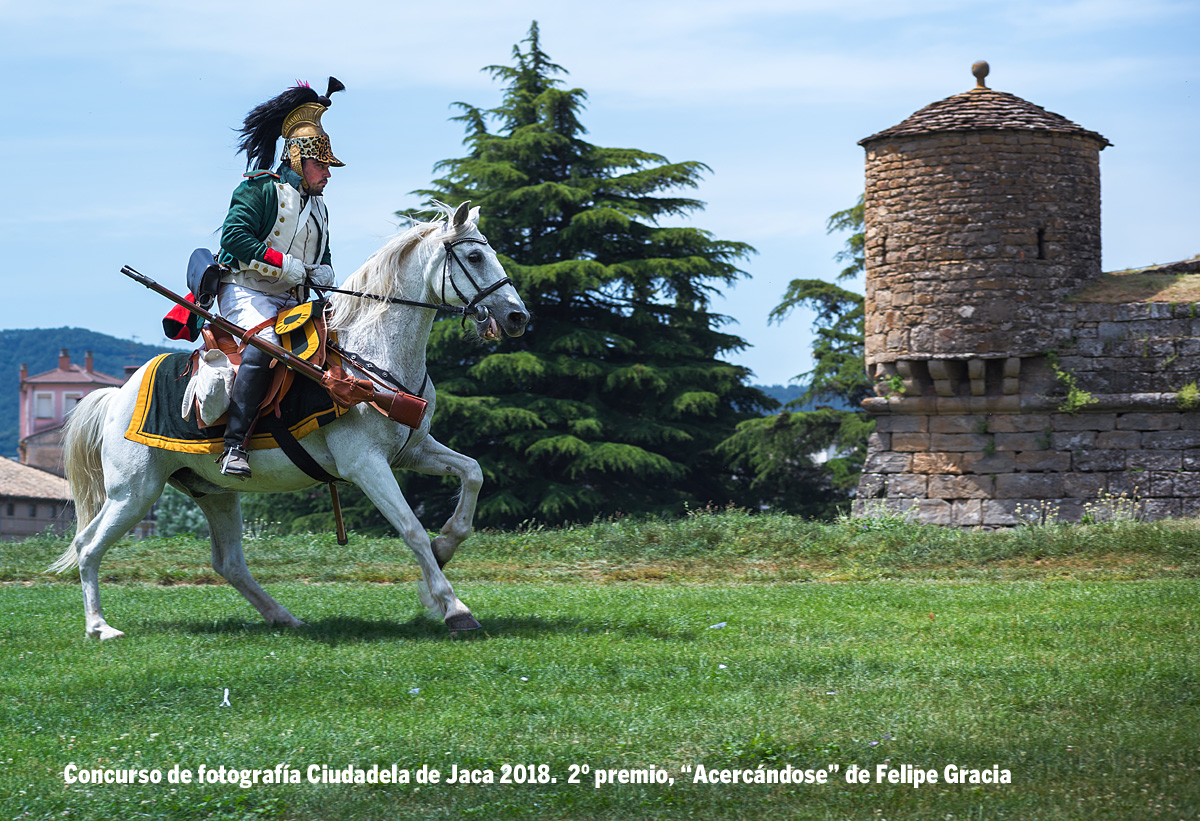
(980, 70)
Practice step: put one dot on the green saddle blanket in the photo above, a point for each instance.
(157, 420)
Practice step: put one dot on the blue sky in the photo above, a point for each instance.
(118, 142)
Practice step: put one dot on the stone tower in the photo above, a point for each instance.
(1013, 377)
(981, 210)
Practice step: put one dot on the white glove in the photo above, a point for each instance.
(321, 276)
(294, 271)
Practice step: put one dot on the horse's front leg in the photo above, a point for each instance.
(435, 459)
(375, 478)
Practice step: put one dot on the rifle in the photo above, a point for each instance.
(345, 390)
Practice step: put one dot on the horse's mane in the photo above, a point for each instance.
(380, 274)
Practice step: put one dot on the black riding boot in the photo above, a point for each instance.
(249, 386)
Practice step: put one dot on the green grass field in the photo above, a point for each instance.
(1066, 656)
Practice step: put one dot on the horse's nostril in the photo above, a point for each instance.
(518, 318)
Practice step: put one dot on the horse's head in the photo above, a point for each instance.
(471, 276)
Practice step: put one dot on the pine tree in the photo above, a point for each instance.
(839, 371)
(616, 398)
(775, 455)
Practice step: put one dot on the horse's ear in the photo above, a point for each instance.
(460, 216)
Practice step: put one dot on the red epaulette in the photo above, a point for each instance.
(258, 174)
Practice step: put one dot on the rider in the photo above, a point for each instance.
(275, 240)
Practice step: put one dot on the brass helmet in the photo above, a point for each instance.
(296, 116)
(303, 136)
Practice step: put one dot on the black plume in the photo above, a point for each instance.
(334, 85)
(264, 125)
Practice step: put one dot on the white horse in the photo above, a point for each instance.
(115, 481)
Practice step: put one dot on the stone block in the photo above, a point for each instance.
(1073, 440)
(1187, 485)
(906, 486)
(940, 463)
(958, 442)
(1019, 423)
(1119, 439)
(989, 463)
(1162, 508)
(958, 424)
(1040, 461)
(1148, 421)
(934, 512)
(1020, 441)
(1069, 510)
(977, 371)
(1191, 460)
(1005, 512)
(911, 442)
(1171, 440)
(887, 463)
(872, 486)
(1154, 460)
(1084, 421)
(1095, 459)
(1084, 485)
(902, 423)
(1162, 483)
(966, 512)
(946, 374)
(1130, 485)
(878, 442)
(960, 487)
(1029, 486)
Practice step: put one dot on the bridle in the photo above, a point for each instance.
(471, 309)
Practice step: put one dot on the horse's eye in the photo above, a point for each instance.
(475, 257)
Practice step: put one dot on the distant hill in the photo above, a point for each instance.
(38, 349)
(786, 393)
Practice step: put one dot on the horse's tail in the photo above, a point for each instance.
(83, 436)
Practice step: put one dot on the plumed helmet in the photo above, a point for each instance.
(294, 115)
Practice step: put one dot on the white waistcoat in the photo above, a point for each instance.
(301, 230)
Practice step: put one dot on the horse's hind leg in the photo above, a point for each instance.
(115, 519)
(224, 514)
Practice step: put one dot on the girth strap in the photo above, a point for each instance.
(288, 444)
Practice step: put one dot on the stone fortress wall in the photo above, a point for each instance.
(1014, 380)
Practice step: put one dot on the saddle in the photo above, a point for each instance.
(302, 332)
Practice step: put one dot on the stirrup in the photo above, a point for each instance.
(235, 463)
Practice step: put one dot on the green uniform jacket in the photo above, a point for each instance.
(252, 216)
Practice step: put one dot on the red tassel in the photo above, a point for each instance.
(180, 323)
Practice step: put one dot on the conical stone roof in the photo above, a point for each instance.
(983, 109)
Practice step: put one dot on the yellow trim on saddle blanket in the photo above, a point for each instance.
(147, 413)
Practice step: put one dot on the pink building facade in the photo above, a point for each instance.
(46, 399)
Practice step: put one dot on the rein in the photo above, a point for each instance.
(471, 309)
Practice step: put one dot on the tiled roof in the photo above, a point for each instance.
(27, 482)
(75, 374)
(983, 109)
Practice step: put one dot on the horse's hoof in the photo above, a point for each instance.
(462, 622)
(106, 633)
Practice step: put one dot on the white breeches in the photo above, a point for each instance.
(246, 307)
